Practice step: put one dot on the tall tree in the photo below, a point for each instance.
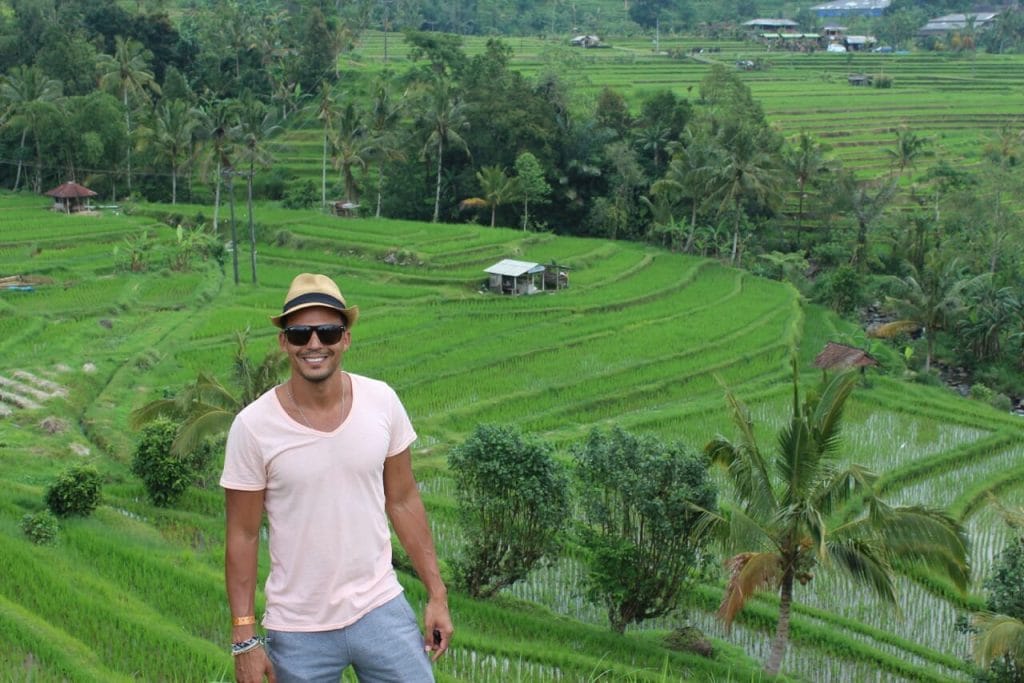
(443, 117)
(530, 183)
(257, 124)
(909, 148)
(496, 188)
(351, 148)
(385, 113)
(22, 92)
(218, 127)
(127, 73)
(803, 508)
(174, 122)
(805, 161)
(741, 170)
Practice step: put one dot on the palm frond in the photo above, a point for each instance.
(839, 486)
(998, 636)
(211, 422)
(748, 573)
(929, 537)
(828, 413)
(865, 562)
(163, 407)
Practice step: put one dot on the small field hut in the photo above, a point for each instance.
(515, 277)
(69, 197)
(841, 357)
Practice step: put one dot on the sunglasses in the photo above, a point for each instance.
(299, 335)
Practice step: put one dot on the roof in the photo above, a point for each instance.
(70, 190)
(854, 5)
(780, 23)
(514, 268)
(954, 22)
(842, 356)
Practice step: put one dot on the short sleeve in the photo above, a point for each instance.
(244, 469)
(402, 433)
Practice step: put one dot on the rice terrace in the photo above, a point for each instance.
(105, 311)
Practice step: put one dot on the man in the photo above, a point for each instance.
(326, 456)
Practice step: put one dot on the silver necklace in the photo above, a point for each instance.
(303, 414)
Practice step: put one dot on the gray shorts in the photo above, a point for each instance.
(385, 646)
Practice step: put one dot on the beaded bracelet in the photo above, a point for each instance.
(246, 645)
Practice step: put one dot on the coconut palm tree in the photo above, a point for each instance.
(496, 188)
(998, 637)
(933, 299)
(173, 125)
(218, 125)
(685, 178)
(127, 73)
(909, 148)
(443, 116)
(741, 170)
(802, 508)
(256, 125)
(385, 115)
(351, 149)
(805, 161)
(325, 113)
(206, 407)
(23, 90)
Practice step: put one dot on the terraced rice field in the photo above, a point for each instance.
(642, 338)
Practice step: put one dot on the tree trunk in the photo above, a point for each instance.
(735, 236)
(781, 638)
(128, 148)
(252, 225)
(234, 228)
(21, 155)
(216, 199)
(323, 176)
(437, 194)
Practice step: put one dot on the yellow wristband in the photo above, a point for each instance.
(243, 621)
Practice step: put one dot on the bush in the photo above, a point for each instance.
(513, 499)
(301, 194)
(40, 527)
(76, 492)
(639, 522)
(167, 476)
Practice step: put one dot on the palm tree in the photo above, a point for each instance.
(685, 179)
(351, 149)
(173, 125)
(206, 407)
(127, 72)
(496, 187)
(325, 113)
(804, 161)
(909, 148)
(218, 122)
(741, 170)
(256, 125)
(998, 636)
(385, 115)
(444, 117)
(932, 299)
(22, 91)
(803, 508)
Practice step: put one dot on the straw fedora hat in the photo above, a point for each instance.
(310, 289)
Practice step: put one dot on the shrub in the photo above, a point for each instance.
(76, 492)
(512, 503)
(639, 522)
(167, 476)
(40, 527)
(301, 194)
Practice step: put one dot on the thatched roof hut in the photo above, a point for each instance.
(68, 197)
(842, 357)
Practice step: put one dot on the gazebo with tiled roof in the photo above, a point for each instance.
(68, 196)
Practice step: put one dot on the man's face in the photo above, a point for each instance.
(315, 361)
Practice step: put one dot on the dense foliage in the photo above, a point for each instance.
(166, 474)
(640, 504)
(512, 503)
(76, 492)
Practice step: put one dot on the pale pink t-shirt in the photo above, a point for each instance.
(330, 545)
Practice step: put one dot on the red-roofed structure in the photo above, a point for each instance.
(68, 196)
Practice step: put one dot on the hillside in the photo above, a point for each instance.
(642, 338)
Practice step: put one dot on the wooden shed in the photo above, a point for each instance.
(70, 197)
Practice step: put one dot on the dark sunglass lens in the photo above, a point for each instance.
(330, 334)
(298, 335)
